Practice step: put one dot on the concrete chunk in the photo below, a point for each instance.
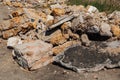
(33, 55)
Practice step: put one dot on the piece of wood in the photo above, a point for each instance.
(70, 17)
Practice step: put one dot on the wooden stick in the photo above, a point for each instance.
(61, 22)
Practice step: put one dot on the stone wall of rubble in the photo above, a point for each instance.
(32, 22)
(56, 23)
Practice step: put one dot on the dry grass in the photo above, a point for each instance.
(103, 5)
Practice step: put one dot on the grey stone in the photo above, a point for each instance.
(114, 15)
(114, 44)
(81, 19)
(105, 29)
(93, 29)
(85, 40)
(33, 55)
(78, 20)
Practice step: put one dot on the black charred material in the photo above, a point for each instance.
(82, 58)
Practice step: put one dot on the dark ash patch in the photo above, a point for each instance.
(82, 58)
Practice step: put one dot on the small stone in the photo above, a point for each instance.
(61, 48)
(81, 19)
(32, 25)
(12, 32)
(12, 41)
(58, 12)
(50, 20)
(43, 16)
(105, 29)
(73, 36)
(114, 15)
(75, 8)
(47, 11)
(85, 40)
(95, 77)
(93, 29)
(92, 9)
(76, 22)
(55, 72)
(66, 26)
(56, 1)
(67, 33)
(49, 23)
(49, 17)
(17, 4)
(7, 2)
(56, 6)
(16, 20)
(17, 13)
(115, 30)
(65, 72)
(117, 22)
(33, 14)
(57, 38)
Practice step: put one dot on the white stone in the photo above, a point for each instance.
(13, 41)
(49, 17)
(92, 9)
(55, 6)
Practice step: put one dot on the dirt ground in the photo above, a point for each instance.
(9, 69)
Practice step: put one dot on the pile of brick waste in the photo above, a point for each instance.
(76, 37)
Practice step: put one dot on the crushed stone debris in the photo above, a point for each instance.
(77, 37)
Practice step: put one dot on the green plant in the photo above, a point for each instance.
(103, 5)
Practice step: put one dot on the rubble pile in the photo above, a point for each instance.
(40, 31)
